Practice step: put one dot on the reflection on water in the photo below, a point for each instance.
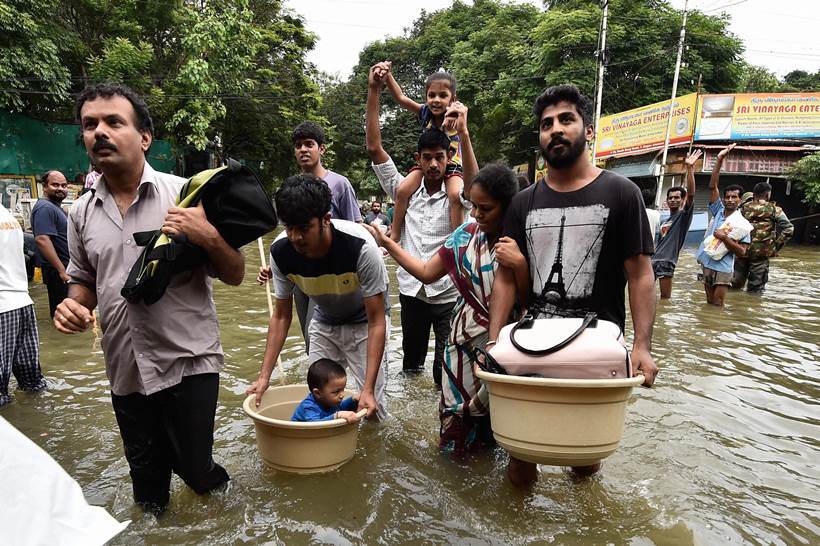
(724, 449)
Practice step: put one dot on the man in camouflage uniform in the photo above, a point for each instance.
(771, 231)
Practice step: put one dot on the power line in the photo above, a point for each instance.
(786, 53)
(726, 6)
(792, 15)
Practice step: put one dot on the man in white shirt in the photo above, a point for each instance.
(19, 339)
(427, 226)
(654, 215)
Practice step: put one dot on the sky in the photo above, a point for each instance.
(778, 34)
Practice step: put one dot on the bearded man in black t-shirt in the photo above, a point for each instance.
(584, 233)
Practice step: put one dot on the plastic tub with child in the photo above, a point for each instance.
(299, 447)
(558, 389)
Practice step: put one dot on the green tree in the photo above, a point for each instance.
(800, 80)
(757, 79)
(806, 176)
(258, 125)
(503, 55)
(229, 71)
(219, 45)
(31, 72)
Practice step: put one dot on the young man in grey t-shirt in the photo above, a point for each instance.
(338, 265)
(309, 147)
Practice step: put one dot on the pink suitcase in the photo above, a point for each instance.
(561, 348)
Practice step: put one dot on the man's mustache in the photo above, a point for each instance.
(103, 145)
(559, 140)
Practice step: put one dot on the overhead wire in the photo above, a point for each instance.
(726, 6)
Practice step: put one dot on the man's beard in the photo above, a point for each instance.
(563, 158)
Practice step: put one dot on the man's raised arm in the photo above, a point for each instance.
(690, 161)
(456, 118)
(373, 132)
(714, 192)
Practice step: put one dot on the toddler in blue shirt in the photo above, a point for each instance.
(326, 380)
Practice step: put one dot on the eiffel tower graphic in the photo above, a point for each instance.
(555, 282)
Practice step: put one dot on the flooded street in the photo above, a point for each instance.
(725, 448)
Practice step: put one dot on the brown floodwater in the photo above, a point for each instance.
(723, 450)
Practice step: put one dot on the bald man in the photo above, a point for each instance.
(50, 225)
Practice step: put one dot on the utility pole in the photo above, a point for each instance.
(671, 101)
(600, 83)
(697, 102)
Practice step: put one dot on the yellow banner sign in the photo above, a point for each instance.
(751, 116)
(644, 128)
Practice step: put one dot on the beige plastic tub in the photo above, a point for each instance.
(563, 422)
(302, 448)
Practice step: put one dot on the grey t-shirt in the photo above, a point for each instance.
(672, 235)
(353, 269)
(343, 204)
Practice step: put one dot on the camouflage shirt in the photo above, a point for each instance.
(771, 228)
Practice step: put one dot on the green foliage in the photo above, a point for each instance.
(757, 79)
(223, 71)
(800, 80)
(29, 55)
(232, 74)
(219, 45)
(504, 55)
(258, 124)
(121, 60)
(806, 176)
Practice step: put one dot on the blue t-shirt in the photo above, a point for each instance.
(49, 219)
(310, 410)
(727, 263)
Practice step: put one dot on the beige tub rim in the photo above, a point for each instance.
(295, 446)
(561, 422)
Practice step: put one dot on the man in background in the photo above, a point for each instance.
(772, 229)
(308, 148)
(50, 225)
(375, 214)
(672, 233)
(717, 274)
(19, 340)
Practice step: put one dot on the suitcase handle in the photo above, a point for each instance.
(527, 322)
(488, 364)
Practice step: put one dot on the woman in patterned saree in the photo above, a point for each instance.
(470, 256)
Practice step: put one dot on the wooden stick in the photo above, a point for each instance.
(270, 306)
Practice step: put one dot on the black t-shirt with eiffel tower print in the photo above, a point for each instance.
(576, 243)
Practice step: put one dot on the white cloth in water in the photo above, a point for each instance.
(41, 503)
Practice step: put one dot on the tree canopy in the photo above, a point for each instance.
(232, 69)
(504, 55)
(806, 174)
(757, 79)
(231, 74)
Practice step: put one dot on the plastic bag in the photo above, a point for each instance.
(737, 228)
